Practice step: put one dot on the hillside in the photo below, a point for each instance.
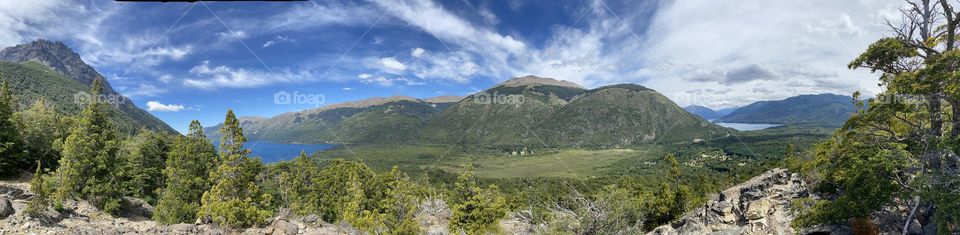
(51, 70)
(708, 113)
(504, 115)
(822, 109)
(376, 119)
(623, 115)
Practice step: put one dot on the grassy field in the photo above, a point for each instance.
(570, 163)
(575, 163)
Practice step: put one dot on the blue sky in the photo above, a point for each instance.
(185, 61)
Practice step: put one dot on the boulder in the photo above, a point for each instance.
(6, 208)
(282, 227)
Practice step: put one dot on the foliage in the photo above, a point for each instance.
(90, 161)
(144, 156)
(43, 130)
(38, 204)
(901, 151)
(235, 199)
(188, 165)
(476, 210)
(614, 210)
(12, 152)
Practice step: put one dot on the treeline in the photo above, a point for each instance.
(85, 157)
(187, 179)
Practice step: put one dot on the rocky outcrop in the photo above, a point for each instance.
(758, 206)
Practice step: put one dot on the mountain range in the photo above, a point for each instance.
(822, 109)
(521, 112)
(51, 70)
(708, 113)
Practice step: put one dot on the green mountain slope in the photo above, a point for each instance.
(388, 119)
(505, 115)
(31, 81)
(621, 115)
(47, 68)
(708, 113)
(822, 109)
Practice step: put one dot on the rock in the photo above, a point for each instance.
(758, 209)
(6, 208)
(282, 227)
(311, 219)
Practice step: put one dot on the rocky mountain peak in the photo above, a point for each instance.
(57, 56)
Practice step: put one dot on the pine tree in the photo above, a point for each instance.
(188, 166)
(476, 210)
(144, 157)
(42, 129)
(235, 200)
(299, 186)
(38, 204)
(399, 204)
(11, 145)
(90, 160)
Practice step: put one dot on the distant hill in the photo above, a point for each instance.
(378, 119)
(53, 71)
(621, 115)
(822, 109)
(524, 112)
(504, 115)
(708, 113)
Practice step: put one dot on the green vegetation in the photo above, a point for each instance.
(476, 210)
(12, 154)
(89, 164)
(235, 200)
(901, 152)
(189, 162)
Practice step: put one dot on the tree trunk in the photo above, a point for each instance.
(955, 118)
(936, 119)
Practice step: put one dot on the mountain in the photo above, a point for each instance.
(523, 112)
(822, 109)
(621, 115)
(53, 71)
(708, 113)
(379, 119)
(542, 112)
(504, 115)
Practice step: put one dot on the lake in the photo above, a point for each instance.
(746, 126)
(271, 152)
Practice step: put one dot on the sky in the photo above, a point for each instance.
(186, 61)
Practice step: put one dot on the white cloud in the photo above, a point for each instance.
(166, 78)
(392, 64)
(384, 81)
(347, 89)
(364, 75)
(417, 52)
(312, 15)
(160, 107)
(224, 76)
(275, 40)
(800, 47)
(143, 90)
(232, 35)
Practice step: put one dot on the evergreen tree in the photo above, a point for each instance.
(90, 160)
(299, 186)
(43, 130)
(188, 166)
(38, 204)
(11, 145)
(475, 210)
(144, 157)
(235, 200)
(399, 205)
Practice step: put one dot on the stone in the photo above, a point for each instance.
(758, 209)
(282, 227)
(6, 208)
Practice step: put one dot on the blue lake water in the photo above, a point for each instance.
(746, 126)
(271, 152)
